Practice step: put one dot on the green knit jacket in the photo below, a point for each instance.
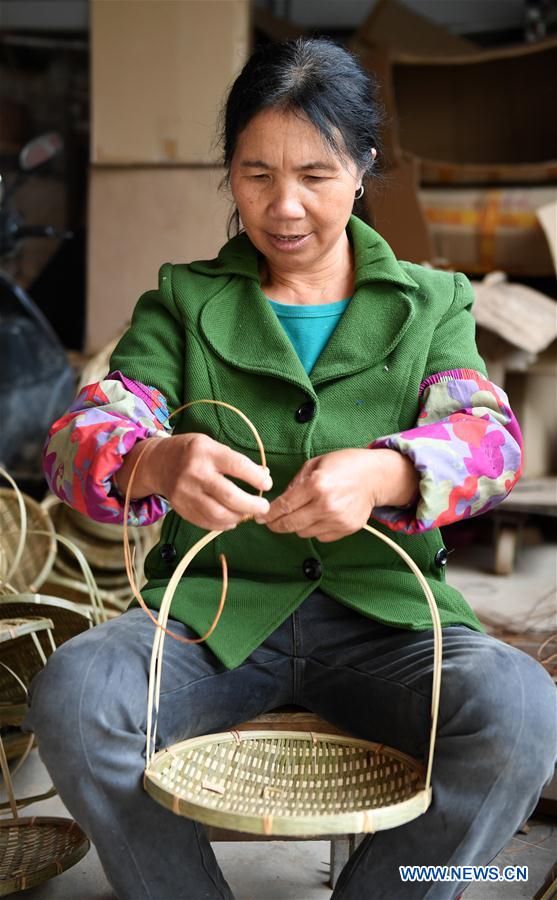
(209, 332)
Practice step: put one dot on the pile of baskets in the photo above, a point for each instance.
(102, 546)
(32, 625)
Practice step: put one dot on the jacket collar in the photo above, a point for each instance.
(243, 329)
(374, 259)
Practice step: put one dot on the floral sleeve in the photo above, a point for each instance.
(86, 446)
(466, 446)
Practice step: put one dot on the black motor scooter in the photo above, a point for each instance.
(36, 381)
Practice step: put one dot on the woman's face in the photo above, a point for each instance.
(293, 194)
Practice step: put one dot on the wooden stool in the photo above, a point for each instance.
(294, 718)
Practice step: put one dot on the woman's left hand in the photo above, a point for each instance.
(333, 495)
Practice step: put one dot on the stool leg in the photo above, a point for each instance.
(342, 849)
(340, 852)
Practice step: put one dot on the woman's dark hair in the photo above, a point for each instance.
(313, 77)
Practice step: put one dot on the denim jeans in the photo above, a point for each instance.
(495, 750)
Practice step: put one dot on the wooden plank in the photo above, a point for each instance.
(533, 495)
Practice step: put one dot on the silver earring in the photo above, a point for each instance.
(359, 193)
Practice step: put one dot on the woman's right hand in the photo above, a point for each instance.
(190, 471)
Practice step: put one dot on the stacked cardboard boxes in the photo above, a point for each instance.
(481, 126)
(160, 71)
(471, 147)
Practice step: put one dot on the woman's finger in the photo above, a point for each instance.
(230, 462)
(230, 495)
(295, 497)
(210, 514)
(329, 536)
(303, 521)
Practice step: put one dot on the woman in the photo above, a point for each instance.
(361, 374)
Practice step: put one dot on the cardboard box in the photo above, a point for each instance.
(479, 118)
(516, 335)
(493, 108)
(523, 317)
(140, 218)
(395, 26)
(533, 397)
(392, 207)
(547, 217)
(159, 72)
(478, 230)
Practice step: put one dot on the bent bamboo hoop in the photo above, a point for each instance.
(284, 783)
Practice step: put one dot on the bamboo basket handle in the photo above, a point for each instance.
(155, 670)
(437, 643)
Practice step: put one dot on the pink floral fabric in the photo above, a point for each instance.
(466, 446)
(86, 446)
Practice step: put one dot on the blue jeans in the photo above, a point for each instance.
(495, 750)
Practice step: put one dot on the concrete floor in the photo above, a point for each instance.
(300, 870)
(279, 870)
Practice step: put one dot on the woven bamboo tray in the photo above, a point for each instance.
(288, 783)
(32, 850)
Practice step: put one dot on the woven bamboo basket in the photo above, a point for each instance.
(283, 783)
(15, 742)
(69, 618)
(65, 565)
(26, 558)
(100, 552)
(114, 601)
(104, 531)
(35, 849)
(22, 656)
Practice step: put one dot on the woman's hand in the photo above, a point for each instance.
(190, 471)
(333, 495)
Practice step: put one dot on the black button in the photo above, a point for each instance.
(312, 568)
(168, 553)
(441, 557)
(305, 412)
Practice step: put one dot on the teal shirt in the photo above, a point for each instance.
(309, 327)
